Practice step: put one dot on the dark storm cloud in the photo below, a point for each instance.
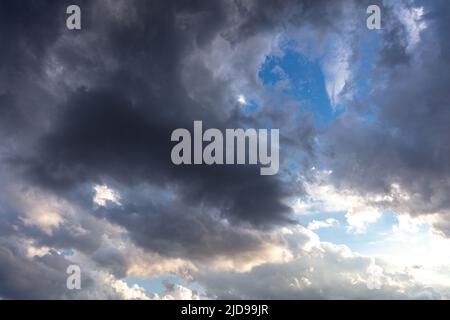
(95, 105)
(26, 30)
(119, 127)
(104, 135)
(175, 229)
(10, 116)
(394, 50)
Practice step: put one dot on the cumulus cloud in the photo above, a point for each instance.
(318, 270)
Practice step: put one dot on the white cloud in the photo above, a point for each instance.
(323, 197)
(178, 292)
(39, 209)
(412, 18)
(241, 99)
(358, 218)
(103, 194)
(337, 72)
(413, 245)
(134, 292)
(318, 224)
(325, 270)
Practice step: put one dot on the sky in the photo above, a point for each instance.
(358, 210)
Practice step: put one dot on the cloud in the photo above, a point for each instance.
(323, 271)
(104, 194)
(405, 147)
(85, 124)
(324, 197)
(134, 292)
(317, 224)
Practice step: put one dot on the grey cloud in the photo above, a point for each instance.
(119, 126)
(408, 142)
(33, 278)
(140, 70)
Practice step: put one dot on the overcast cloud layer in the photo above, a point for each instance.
(85, 169)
